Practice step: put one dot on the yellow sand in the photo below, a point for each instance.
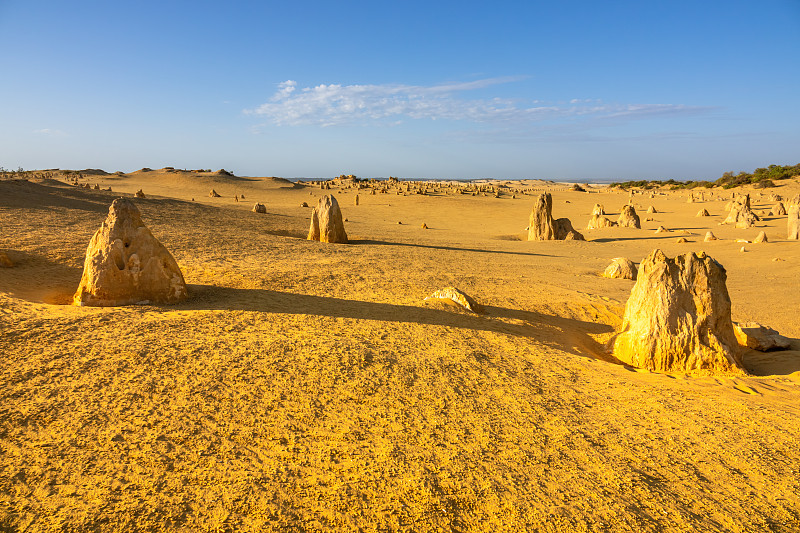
(306, 386)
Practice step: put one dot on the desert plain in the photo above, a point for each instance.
(307, 386)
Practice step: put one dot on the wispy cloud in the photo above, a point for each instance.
(333, 104)
(50, 132)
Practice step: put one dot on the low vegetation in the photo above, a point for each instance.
(760, 178)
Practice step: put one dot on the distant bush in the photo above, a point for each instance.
(760, 178)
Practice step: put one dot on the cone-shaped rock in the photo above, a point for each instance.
(622, 268)
(259, 208)
(778, 210)
(762, 237)
(678, 317)
(452, 294)
(628, 218)
(710, 237)
(565, 232)
(702, 213)
(793, 224)
(651, 210)
(598, 209)
(126, 264)
(326, 221)
(213, 194)
(140, 194)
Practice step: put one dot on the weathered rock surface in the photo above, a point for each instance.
(213, 194)
(565, 232)
(710, 237)
(599, 221)
(703, 213)
(628, 218)
(326, 222)
(140, 194)
(678, 317)
(454, 295)
(598, 209)
(761, 338)
(793, 223)
(126, 264)
(542, 227)
(762, 237)
(740, 215)
(622, 268)
(259, 208)
(651, 210)
(778, 210)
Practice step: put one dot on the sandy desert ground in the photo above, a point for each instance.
(306, 386)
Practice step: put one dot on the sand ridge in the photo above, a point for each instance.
(306, 386)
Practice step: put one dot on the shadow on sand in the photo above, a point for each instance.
(565, 334)
(452, 248)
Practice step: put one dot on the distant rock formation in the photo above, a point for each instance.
(628, 218)
(140, 194)
(259, 208)
(678, 317)
(542, 227)
(355, 200)
(703, 213)
(5, 261)
(214, 194)
(778, 210)
(126, 264)
(599, 221)
(598, 209)
(740, 215)
(710, 237)
(662, 229)
(651, 210)
(326, 222)
(622, 268)
(793, 223)
(454, 295)
(762, 237)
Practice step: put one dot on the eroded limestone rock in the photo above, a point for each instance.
(628, 218)
(454, 295)
(678, 317)
(622, 268)
(542, 227)
(126, 264)
(761, 338)
(793, 223)
(326, 222)
(259, 208)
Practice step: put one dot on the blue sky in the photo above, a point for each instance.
(581, 90)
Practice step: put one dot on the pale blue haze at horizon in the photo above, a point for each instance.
(558, 90)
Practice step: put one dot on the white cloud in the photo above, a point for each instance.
(50, 132)
(333, 104)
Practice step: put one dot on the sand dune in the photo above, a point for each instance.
(306, 386)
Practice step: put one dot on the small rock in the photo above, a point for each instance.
(452, 294)
(761, 338)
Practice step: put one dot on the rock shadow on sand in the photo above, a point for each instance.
(566, 334)
(452, 248)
